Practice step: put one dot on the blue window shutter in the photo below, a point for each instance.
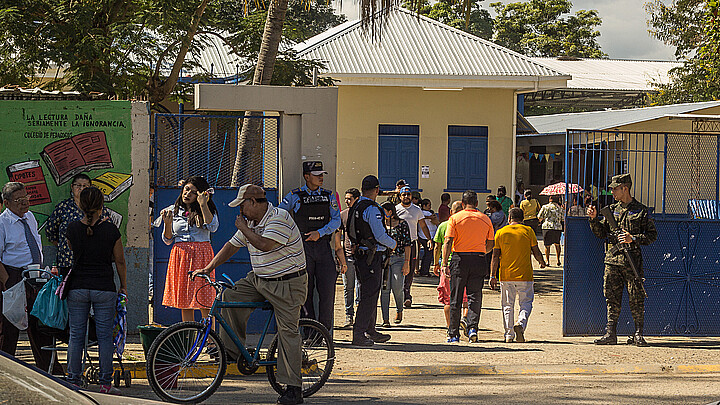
(467, 157)
(398, 156)
(477, 167)
(457, 171)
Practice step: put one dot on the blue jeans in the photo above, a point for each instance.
(351, 287)
(103, 305)
(395, 283)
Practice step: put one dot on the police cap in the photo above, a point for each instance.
(314, 167)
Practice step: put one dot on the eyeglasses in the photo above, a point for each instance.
(21, 200)
(81, 186)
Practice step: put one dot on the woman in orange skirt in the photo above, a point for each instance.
(188, 225)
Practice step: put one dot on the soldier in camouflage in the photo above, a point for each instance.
(637, 229)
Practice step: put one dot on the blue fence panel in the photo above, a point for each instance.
(682, 279)
(237, 267)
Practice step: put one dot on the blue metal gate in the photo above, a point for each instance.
(677, 175)
(205, 145)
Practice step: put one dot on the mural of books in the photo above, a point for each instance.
(112, 184)
(80, 153)
(31, 174)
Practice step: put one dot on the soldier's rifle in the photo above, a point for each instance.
(622, 247)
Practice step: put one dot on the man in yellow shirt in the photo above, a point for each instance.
(511, 259)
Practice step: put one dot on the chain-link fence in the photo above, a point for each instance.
(207, 145)
(668, 170)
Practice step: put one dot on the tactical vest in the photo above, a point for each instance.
(358, 230)
(314, 210)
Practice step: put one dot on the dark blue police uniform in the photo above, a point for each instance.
(317, 210)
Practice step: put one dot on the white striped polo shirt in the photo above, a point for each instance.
(277, 225)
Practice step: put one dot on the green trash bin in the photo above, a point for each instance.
(148, 333)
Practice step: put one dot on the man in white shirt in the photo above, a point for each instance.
(414, 216)
(20, 246)
(278, 275)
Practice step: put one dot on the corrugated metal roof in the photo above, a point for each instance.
(600, 120)
(412, 45)
(611, 74)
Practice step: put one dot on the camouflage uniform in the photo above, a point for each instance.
(635, 219)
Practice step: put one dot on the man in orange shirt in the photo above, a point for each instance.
(511, 258)
(470, 236)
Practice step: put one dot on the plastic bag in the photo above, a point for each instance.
(49, 308)
(15, 305)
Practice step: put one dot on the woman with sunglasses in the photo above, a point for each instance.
(65, 212)
(397, 265)
(187, 226)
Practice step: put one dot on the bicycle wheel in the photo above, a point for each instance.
(172, 373)
(318, 357)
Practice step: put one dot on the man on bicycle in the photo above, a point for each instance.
(278, 275)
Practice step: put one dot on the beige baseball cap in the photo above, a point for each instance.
(245, 192)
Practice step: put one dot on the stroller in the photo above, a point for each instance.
(91, 371)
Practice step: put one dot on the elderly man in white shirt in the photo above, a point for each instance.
(20, 246)
(278, 275)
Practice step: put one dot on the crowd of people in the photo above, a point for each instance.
(298, 249)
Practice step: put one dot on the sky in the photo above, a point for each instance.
(623, 33)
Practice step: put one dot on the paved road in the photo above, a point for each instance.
(514, 389)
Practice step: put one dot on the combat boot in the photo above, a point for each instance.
(638, 339)
(610, 336)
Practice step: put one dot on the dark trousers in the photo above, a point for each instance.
(427, 257)
(370, 278)
(322, 275)
(9, 334)
(467, 272)
(411, 275)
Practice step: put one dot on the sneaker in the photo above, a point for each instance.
(109, 389)
(348, 321)
(378, 337)
(407, 303)
(385, 324)
(453, 339)
(291, 396)
(519, 333)
(464, 325)
(508, 339)
(472, 335)
(398, 317)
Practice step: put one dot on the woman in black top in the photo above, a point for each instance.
(95, 243)
(398, 264)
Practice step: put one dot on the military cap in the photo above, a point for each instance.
(314, 167)
(620, 179)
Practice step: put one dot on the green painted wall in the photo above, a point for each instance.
(45, 143)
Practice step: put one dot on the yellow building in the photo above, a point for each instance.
(427, 103)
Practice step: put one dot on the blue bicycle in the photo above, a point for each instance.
(187, 362)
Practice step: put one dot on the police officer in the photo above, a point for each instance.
(637, 229)
(365, 228)
(317, 214)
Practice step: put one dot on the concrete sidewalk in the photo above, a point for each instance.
(418, 344)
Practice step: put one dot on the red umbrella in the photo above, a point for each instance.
(559, 188)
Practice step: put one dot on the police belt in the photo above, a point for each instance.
(287, 276)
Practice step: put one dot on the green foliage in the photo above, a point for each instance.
(699, 77)
(114, 46)
(454, 13)
(678, 24)
(545, 28)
